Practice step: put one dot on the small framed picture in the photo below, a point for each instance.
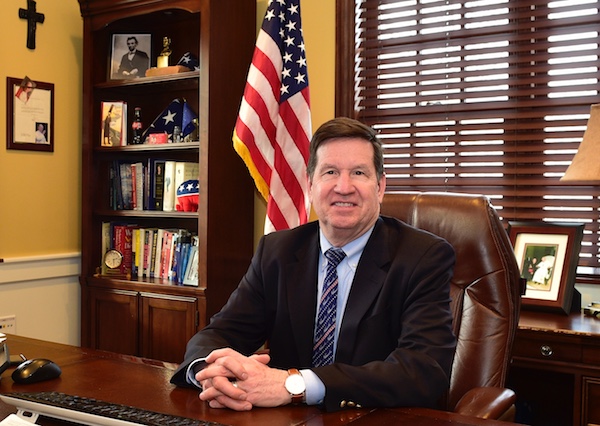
(130, 56)
(547, 255)
(30, 115)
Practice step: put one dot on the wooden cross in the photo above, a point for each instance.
(32, 19)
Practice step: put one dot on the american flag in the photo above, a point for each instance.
(177, 113)
(273, 129)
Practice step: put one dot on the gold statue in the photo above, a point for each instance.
(163, 59)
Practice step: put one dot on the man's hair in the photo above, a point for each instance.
(344, 127)
(132, 38)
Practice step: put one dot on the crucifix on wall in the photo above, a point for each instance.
(33, 18)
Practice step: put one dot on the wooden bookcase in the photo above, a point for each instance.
(151, 317)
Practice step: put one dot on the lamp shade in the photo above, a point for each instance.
(585, 167)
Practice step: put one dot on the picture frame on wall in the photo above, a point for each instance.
(30, 115)
(130, 56)
(547, 255)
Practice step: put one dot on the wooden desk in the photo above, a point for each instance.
(145, 383)
(556, 369)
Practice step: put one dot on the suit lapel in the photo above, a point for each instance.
(301, 283)
(368, 280)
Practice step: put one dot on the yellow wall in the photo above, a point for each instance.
(40, 191)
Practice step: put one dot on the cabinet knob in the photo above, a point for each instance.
(546, 350)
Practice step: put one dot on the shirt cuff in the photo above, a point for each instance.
(193, 368)
(315, 389)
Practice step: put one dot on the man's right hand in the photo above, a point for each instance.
(238, 382)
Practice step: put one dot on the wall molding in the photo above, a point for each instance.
(32, 268)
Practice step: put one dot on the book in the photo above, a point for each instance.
(169, 190)
(122, 241)
(114, 123)
(190, 276)
(106, 244)
(156, 172)
(184, 171)
(166, 254)
(157, 250)
(136, 252)
(126, 186)
(141, 241)
(116, 188)
(137, 178)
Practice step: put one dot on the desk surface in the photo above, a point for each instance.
(574, 323)
(145, 383)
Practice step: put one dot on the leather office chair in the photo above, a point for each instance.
(486, 295)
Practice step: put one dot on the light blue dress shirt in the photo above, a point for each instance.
(315, 389)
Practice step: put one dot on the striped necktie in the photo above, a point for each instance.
(325, 326)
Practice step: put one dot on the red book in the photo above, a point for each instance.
(122, 241)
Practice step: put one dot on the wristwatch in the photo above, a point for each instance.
(294, 384)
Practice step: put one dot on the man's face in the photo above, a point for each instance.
(131, 44)
(344, 190)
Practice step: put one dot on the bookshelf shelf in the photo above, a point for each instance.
(147, 316)
(190, 76)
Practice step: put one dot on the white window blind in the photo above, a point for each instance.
(488, 97)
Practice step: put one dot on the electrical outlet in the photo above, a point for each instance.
(8, 324)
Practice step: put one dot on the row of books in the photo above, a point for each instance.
(166, 254)
(151, 185)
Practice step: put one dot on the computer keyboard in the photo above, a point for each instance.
(93, 412)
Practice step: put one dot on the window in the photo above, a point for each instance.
(483, 96)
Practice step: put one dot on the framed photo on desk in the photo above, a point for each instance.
(547, 255)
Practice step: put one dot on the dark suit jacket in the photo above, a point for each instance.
(396, 343)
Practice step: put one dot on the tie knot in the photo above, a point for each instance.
(335, 255)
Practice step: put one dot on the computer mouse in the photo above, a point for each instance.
(35, 370)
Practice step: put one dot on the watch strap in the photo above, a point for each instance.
(301, 397)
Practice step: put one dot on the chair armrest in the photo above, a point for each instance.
(487, 403)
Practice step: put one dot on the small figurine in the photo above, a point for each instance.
(163, 59)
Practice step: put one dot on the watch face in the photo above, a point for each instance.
(295, 384)
(113, 259)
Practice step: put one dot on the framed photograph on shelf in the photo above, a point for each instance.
(30, 115)
(547, 255)
(130, 56)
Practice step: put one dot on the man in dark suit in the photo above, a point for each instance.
(393, 343)
(135, 62)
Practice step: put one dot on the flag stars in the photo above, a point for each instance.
(291, 25)
(289, 41)
(284, 89)
(300, 78)
(170, 117)
(301, 62)
(293, 9)
(285, 73)
(270, 15)
(287, 57)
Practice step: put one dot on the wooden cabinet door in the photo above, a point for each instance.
(167, 323)
(115, 322)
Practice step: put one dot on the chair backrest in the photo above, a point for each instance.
(485, 289)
